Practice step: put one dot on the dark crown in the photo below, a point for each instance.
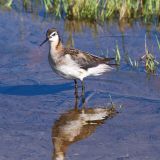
(49, 31)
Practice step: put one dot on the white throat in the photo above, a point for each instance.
(55, 50)
(53, 45)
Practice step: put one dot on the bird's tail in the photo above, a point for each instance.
(100, 69)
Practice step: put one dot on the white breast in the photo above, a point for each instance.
(66, 67)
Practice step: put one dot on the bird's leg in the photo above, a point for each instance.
(76, 89)
(76, 103)
(83, 92)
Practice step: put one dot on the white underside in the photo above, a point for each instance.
(75, 72)
(69, 69)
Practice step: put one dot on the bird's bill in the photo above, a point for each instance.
(44, 42)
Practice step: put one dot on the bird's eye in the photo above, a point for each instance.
(54, 34)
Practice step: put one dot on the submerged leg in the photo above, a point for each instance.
(83, 92)
(76, 88)
(76, 103)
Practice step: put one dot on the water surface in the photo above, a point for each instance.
(33, 98)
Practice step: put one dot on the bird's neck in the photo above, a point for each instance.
(56, 48)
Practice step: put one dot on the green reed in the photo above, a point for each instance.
(95, 9)
(6, 3)
(48, 4)
(149, 60)
(158, 42)
(103, 9)
(133, 63)
(118, 55)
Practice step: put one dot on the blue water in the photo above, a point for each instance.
(33, 98)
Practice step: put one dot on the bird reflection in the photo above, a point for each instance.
(75, 125)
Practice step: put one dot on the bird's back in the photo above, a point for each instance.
(86, 60)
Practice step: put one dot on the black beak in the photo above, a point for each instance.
(44, 42)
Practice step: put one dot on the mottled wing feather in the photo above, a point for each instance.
(84, 59)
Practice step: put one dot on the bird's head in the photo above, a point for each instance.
(52, 36)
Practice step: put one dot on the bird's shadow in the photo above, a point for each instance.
(36, 89)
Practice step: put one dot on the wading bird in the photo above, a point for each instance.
(72, 63)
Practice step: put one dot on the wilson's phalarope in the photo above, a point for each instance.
(72, 63)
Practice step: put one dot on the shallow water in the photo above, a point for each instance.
(33, 99)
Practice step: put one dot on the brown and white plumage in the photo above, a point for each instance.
(72, 63)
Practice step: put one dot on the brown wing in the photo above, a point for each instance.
(84, 59)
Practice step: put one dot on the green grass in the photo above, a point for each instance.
(103, 9)
(150, 62)
(158, 42)
(117, 55)
(95, 9)
(133, 63)
(6, 3)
